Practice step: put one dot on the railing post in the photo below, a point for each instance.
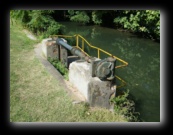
(98, 53)
(77, 41)
(82, 44)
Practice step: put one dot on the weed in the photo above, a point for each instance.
(59, 66)
(125, 106)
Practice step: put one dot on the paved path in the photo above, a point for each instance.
(29, 35)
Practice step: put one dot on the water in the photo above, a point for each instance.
(143, 71)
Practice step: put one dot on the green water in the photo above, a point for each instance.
(143, 71)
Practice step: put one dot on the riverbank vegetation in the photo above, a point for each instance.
(145, 23)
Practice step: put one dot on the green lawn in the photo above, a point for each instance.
(35, 95)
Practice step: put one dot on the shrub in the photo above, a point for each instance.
(125, 106)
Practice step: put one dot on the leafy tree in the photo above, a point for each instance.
(38, 21)
(21, 15)
(90, 16)
(79, 16)
(96, 17)
(140, 21)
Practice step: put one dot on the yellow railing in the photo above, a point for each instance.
(100, 50)
(124, 63)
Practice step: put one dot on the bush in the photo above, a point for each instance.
(79, 16)
(39, 22)
(59, 66)
(125, 106)
(145, 22)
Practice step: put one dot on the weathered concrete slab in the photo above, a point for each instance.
(99, 93)
(96, 92)
(44, 47)
(50, 48)
(79, 76)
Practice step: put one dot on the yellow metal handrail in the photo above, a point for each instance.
(123, 83)
(98, 51)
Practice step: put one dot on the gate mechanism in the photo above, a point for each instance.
(103, 69)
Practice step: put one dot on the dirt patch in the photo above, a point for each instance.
(75, 91)
(29, 35)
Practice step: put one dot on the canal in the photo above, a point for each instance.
(143, 71)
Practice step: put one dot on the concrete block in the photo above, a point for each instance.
(50, 48)
(96, 92)
(44, 47)
(99, 93)
(79, 76)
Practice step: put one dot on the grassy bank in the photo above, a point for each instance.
(35, 96)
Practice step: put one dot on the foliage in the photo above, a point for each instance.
(87, 16)
(21, 15)
(79, 16)
(59, 66)
(38, 21)
(125, 106)
(96, 17)
(53, 29)
(146, 22)
(143, 22)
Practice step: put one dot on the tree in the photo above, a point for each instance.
(146, 22)
(79, 16)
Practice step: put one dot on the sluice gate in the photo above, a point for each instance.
(93, 77)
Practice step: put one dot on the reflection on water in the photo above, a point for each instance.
(143, 72)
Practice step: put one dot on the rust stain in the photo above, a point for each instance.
(50, 43)
(55, 51)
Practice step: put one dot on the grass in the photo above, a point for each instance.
(35, 96)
